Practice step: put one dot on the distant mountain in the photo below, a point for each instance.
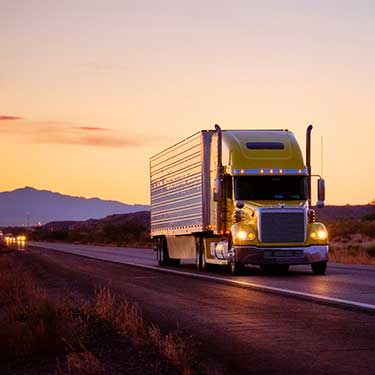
(19, 206)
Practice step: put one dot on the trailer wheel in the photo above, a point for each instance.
(164, 259)
(319, 268)
(200, 258)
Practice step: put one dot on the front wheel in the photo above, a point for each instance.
(319, 268)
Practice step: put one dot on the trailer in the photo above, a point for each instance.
(237, 197)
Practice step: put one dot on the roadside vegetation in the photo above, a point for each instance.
(40, 334)
(353, 240)
(351, 232)
(115, 230)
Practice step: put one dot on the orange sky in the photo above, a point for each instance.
(90, 89)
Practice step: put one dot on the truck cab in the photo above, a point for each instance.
(263, 206)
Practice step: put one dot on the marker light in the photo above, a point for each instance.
(251, 236)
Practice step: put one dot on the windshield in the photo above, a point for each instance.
(270, 188)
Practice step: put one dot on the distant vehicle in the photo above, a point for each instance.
(11, 238)
(237, 197)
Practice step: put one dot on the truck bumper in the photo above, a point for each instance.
(279, 255)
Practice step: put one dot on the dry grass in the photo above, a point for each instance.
(353, 252)
(352, 241)
(85, 363)
(31, 324)
(128, 321)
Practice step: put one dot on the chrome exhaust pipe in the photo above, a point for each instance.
(308, 160)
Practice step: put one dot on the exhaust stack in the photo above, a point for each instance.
(219, 177)
(308, 160)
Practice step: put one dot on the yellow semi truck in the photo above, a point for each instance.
(237, 197)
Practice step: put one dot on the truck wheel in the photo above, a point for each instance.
(164, 259)
(319, 268)
(236, 268)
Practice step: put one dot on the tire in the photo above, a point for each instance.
(164, 259)
(275, 268)
(199, 258)
(319, 268)
(236, 268)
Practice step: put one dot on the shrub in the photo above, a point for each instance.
(371, 251)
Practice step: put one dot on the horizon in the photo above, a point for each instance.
(108, 85)
(371, 203)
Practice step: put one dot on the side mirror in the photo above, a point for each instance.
(321, 193)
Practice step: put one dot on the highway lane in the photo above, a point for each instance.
(353, 285)
(238, 330)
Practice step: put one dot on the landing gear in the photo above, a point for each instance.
(163, 256)
(319, 268)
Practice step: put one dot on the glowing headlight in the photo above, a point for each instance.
(242, 235)
(322, 234)
(319, 235)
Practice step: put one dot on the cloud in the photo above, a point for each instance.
(93, 128)
(9, 118)
(68, 133)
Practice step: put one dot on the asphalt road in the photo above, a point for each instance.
(351, 285)
(241, 329)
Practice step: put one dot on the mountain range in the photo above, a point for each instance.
(30, 206)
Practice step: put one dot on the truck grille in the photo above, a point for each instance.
(286, 226)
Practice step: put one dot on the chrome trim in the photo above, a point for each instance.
(255, 254)
(281, 210)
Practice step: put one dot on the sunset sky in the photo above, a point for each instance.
(89, 90)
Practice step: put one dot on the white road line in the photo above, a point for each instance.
(260, 287)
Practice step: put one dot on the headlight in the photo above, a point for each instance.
(243, 235)
(320, 234)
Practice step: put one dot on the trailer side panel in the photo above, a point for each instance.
(177, 198)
